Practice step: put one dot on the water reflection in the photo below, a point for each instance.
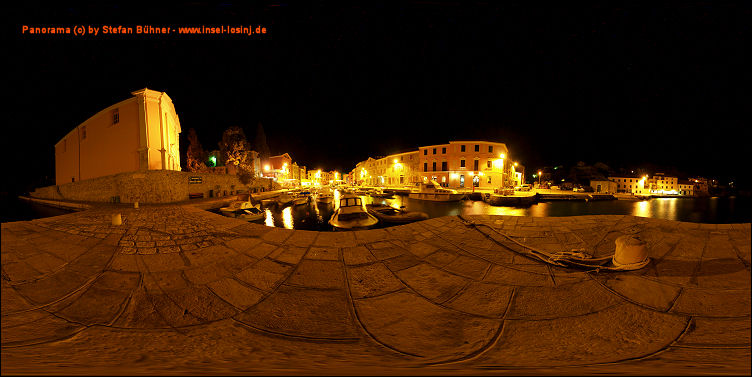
(287, 217)
(642, 209)
(315, 215)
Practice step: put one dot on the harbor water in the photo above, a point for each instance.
(315, 216)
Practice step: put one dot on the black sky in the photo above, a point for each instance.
(629, 84)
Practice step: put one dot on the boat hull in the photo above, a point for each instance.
(436, 197)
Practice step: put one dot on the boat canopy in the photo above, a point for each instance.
(348, 202)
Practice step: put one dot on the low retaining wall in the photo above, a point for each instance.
(152, 186)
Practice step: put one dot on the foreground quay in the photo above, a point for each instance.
(179, 290)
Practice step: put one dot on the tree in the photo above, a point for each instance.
(260, 143)
(234, 149)
(195, 155)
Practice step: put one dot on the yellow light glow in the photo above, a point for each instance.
(395, 160)
(266, 167)
(515, 164)
(480, 174)
(502, 155)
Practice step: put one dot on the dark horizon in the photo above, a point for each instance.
(626, 85)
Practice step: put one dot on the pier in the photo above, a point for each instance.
(176, 289)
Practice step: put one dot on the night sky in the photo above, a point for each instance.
(627, 85)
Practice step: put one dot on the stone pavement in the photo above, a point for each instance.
(179, 290)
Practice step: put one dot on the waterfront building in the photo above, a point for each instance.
(278, 167)
(701, 186)
(603, 186)
(631, 184)
(686, 188)
(660, 184)
(469, 164)
(457, 164)
(137, 134)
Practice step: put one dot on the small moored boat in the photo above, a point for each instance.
(389, 214)
(325, 196)
(351, 215)
(434, 192)
(302, 198)
(243, 210)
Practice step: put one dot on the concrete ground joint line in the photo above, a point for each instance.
(360, 325)
(491, 343)
(675, 299)
(297, 337)
(139, 258)
(628, 300)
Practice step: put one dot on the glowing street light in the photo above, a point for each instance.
(540, 173)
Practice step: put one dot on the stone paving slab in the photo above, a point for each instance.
(179, 290)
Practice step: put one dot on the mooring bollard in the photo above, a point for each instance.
(135, 205)
(631, 253)
(117, 219)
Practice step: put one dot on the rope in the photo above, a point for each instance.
(573, 258)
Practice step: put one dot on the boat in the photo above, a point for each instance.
(325, 196)
(379, 193)
(351, 215)
(235, 206)
(303, 197)
(434, 192)
(510, 200)
(284, 199)
(390, 214)
(243, 210)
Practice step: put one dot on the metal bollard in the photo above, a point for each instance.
(117, 219)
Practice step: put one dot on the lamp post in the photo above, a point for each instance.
(539, 178)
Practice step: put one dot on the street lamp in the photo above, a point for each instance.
(539, 178)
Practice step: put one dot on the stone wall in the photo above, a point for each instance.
(152, 186)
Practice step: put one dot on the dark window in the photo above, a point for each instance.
(83, 132)
(434, 151)
(488, 163)
(443, 166)
(425, 166)
(490, 150)
(434, 166)
(477, 148)
(475, 165)
(462, 163)
(425, 152)
(462, 148)
(116, 117)
(443, 150)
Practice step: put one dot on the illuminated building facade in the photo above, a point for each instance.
(457, 164)
(278, 167)
(631, 185)
(469, 164)
(138, 134)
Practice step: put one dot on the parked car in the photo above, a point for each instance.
(578, 189)
(524, 187)
(554, 187)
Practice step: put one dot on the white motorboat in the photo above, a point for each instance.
(235, 206)
(301, 198)
(243, 210)
(351, 215)
(325, 196)
(284, 199)
(434, 192)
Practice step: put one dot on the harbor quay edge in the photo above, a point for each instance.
(175, 289)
